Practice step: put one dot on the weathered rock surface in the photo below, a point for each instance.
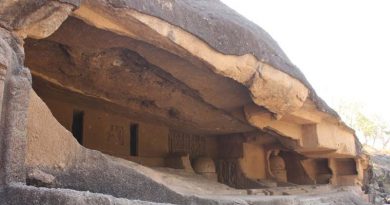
(18, 194)
(40, 178)
(195, 66)
(378, 182)
(88, 170)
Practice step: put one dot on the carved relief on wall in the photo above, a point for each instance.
(194, 145)
(227, 172)
(116, 135)
(230, 173)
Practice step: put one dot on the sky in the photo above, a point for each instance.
(342, 46)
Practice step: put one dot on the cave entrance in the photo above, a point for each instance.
(131, 99)
(134, 140)
(305, 171)
(139, 102)
(78, 125)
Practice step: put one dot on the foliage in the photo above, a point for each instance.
(371, 129)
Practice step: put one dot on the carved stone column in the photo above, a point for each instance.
(16, 85)
(18, 20)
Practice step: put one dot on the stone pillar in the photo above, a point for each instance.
(25, 18)
(16, 86)
(205, 166)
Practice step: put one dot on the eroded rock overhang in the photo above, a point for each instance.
(250, 85)
(195, 65)
(281, 100)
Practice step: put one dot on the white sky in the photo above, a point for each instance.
(342, 46)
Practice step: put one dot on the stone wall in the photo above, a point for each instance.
(110, 132)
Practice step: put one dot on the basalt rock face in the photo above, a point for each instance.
(378, 179)
(148, 80)
(224, 30)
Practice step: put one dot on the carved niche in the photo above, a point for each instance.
(194, 145)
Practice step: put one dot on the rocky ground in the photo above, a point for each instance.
(378, 178)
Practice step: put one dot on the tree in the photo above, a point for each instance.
(386, 138)
(370, 129)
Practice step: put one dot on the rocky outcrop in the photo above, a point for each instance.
(194, 66)
(378, 179)
(29, 195)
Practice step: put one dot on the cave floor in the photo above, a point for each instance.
(186, 182)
